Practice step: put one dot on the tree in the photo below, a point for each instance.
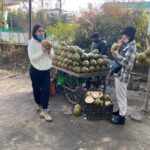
(18, 19)
(41, 17)
(109, 24)
(62, 32)
(2, 20)
(53, 19)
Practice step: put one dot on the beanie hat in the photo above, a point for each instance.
(129, 31)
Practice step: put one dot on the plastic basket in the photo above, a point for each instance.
(94, 112)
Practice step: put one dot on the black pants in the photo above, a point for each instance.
(41, 86)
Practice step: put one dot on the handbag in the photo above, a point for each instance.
(114, 66)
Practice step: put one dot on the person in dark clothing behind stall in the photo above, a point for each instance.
(102, 47)
(98, 44)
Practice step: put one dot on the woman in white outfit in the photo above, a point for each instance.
(125, 57)
(41, 62)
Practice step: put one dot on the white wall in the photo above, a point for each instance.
(14, 37)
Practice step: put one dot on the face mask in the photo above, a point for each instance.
(40, 37)
(126, 41)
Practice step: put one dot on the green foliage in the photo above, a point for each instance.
(62, 32)
(53, 19)
(18, 19)
(2, 20)
(40, 18)
(109, 24)
(82, 38)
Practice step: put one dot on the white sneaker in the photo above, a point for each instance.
(38, 108)
(45, 115)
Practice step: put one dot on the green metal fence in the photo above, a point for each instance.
(10, 30)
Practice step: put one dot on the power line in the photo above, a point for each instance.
(24, 5)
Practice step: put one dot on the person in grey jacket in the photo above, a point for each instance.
(125, 57)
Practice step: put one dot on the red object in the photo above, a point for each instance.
(53, 87)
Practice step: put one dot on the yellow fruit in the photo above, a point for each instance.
(141, 57)
(138, 45)
(106, 98)
(115, 46)
(77, 106)
(46, 44)
(102, 103)
(95, 94)
(88, 93)
(89, 99)
(107, 103)
(100, 94)
(97, 102)
(147, 61)
(147, 52)
(77, 111)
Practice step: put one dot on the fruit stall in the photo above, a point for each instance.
(82, 74)
(78, 69)
(74, 83)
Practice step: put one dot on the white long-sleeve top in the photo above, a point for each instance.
(38, 59)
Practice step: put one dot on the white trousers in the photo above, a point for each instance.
(121, 95)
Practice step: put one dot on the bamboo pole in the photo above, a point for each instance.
(146, 109)
(147, 92)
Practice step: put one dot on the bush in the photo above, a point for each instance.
(109, 24)
(62, 32)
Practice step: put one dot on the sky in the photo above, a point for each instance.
(75, 5)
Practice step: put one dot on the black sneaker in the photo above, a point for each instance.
(116, 113)
(119, 120)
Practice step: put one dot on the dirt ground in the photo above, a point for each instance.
(21, 128)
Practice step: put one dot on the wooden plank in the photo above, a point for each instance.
(18, 44)
(85, 75)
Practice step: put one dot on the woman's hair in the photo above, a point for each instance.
(35, 28)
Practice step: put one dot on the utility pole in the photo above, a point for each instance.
(30, 18)
(42, 1)
(147, 92)
(2, 7)
(60, 9)
(148, 80)
(2, 11)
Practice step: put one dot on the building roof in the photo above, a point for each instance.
(131, 5)
(56, 10)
